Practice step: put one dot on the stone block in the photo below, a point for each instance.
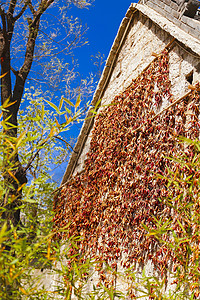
(173, 5)
(151, 5)
(171, 18)
(167, 2)
(192, 23)
(175, 14)
(192, 31)
(159, 3)
(168, 9)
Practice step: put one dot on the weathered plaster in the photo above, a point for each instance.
(143, 40)
(142, 32)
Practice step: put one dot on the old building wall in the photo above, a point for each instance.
(144, 40)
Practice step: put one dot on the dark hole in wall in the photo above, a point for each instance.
(189, 77)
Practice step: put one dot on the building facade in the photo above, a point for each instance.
(147, 97)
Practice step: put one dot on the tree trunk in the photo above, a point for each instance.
(14, 174)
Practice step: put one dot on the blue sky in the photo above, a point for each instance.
(103, 19)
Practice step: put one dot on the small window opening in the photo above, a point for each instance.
(190, 76)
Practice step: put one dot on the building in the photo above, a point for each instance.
(148, 96)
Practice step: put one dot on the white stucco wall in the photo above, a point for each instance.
(144, 39)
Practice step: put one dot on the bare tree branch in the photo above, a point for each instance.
(22, 11)
(59, 138)
(12, 6)
(34, 156)
(31, 7)
(3, 18)
(40, 148)
(14, 71)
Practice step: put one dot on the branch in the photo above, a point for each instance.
(41, 9)
(26, 67)
(22, 11)
(42, 144)
(61, 51)
(12, 7)
(31, 7)
(59, 138)
(3, 18)
(34, 156)
(14, 71)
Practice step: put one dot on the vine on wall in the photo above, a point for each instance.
(119, 189)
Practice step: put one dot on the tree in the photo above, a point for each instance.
(29, 15)
(27, 247)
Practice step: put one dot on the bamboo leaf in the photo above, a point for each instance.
(78, 101)
(68, 120)
(97, 104)
(10, 143)
(53, 106)
(68, 110)
(23, 291)
(181, 226)
(3, 232)
(1, 76)
(42, 113)
(49, 250)
(58, 125)
(13, 176)
(52, 132)
(61, 103)
(20, 138)
(68, 101)
(7, 104)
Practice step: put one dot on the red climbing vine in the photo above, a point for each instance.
(119, 190)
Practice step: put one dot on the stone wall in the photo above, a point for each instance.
(178, 14)
(144, 40)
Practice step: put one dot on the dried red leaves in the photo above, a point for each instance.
(118, 189)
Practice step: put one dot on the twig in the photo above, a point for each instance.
(22, 11)
(59, 138)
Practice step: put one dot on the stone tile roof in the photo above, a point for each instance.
(179, 26)
(184, 13)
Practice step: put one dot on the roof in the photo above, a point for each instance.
(184, 29)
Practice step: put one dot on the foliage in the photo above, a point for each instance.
(119, 196)
(183, 226)
(40, 42)
(32, 47)
(27, 247)
(171, 227)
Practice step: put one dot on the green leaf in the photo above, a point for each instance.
(68, 102)
(181, 226)
(14, 261)
(61, 103)
(20, 138)
(53, 106)
(78, 101)
(97, 104)
(42, 112)
(68, 110)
